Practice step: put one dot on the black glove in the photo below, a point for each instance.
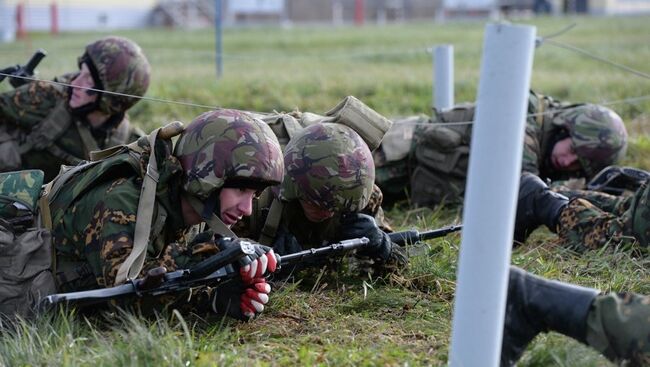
(356, 225)
(256, 265)
(285, 243)
(240, 299)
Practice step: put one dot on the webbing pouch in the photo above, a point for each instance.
(429, 188)
(463, 112)
(369, 124)
(453, 162)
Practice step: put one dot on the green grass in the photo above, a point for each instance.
(339, 319)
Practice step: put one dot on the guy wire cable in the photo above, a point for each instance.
(189, 104)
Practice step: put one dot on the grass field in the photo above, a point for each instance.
(336, 318)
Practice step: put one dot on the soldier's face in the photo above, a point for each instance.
(235, 204)
(314, 213)
(563, 157)
(81, 97)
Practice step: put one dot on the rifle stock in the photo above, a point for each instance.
(209, 272)
(413, 236)
(23, 71)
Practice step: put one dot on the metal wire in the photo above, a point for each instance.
(189, 104)
(596, 57)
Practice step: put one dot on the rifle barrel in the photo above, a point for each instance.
(342, 246)
(413, 236)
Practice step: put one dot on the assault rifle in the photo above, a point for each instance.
(219, 268)
(26, 71)
(413, 236)
(210, 272)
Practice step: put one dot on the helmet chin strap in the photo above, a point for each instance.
(213, 221)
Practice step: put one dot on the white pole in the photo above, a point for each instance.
(491, 195)
(337, 13)
(443, 71)
(7, 22)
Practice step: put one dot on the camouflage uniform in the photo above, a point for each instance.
(597, 133)
(285, 126)
(598, 136)
(618, 325)
(592, 218)
(328, 166)
(94, 213)
(40, 130)
(583, 225)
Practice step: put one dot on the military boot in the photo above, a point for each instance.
(536, 205)
(537, 305)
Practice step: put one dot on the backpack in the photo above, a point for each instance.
(104, 165)
(393, 159)
(25, 247)
(27, 264)
(441, 157)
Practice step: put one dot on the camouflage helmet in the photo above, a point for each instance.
(329, 166)
(228, 148)
(117, 65)
(598, 135)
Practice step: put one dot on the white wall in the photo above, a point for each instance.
(81, 15)
(612, 7)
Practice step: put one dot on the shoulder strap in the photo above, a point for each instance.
(133, 264)
(541, 109)
(272, 223)
(87, 139)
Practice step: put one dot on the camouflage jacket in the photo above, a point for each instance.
(94, 217)
(25, 109)
(395, 155)
(293, 220)
(540, 137)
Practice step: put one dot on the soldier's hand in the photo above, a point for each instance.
(285, 243)
(241, 300)
(356, 225)
(264, 261)
(255, 297)
(259, 264)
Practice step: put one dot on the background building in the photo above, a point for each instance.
(20, 16)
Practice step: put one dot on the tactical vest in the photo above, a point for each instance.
(441, 157)
(441, 150)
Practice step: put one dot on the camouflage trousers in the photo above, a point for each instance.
(618, 326)
(616, 205)
(593, 219)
